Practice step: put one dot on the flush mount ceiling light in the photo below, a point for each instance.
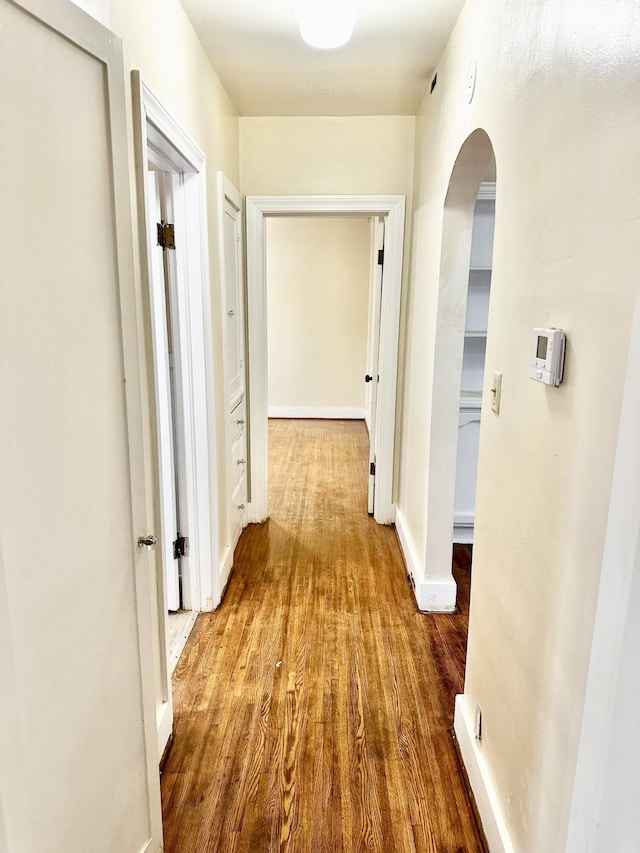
(326, 23)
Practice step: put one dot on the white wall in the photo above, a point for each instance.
(556, 93)
(326, 154)
(317, 301)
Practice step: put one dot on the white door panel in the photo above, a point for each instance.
(234, 339)
(234, 306)
(70, 571)
(374, 347)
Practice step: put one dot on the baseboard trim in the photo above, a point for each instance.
(408, 551)
(226, 564)
(182, 642)
(493, 823)
(431, 596)
(462, 535)
(317, 412)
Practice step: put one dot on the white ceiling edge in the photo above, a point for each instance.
(257, 52)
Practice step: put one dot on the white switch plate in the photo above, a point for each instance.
(496, 391)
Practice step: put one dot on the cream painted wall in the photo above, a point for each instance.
(326, 155)
(557, 93)
(317, 310)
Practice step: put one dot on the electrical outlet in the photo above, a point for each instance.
(496, 392)
(477, 727)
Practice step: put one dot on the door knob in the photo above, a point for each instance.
(148, 542)
(368, 378)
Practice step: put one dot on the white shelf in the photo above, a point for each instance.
(470, 401)
(473, 363)
(478, 301)
(482, 239)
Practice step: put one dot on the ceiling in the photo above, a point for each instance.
(266, 68)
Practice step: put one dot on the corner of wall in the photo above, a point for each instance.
(493, 823)
(432, 596)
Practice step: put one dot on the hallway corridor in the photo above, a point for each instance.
(313, 710)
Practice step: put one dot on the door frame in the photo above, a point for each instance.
(392, 208)
(174, 150)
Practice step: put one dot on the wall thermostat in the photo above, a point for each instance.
(547, 356)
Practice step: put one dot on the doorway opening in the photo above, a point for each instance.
(258, 210)
(436, 592)
(473, 361)
(324, 280)
(172, 197)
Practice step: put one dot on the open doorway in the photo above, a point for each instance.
(173, 248)
(324, 277)
(258, 211)
(436, 591)
(163, 191)
(323, 317)
(473, 361)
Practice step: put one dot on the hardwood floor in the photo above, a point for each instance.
(313, 710)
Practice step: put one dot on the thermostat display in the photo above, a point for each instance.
(547, 356)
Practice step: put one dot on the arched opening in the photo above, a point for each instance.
(474, 165)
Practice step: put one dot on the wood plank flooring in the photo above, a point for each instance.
(313, 710)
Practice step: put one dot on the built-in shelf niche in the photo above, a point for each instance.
(473, 362)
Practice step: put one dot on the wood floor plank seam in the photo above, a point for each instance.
(313, 709)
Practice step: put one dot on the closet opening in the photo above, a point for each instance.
(174, 255)
(473, 388)
(459, 387)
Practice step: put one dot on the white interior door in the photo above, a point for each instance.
(373, 374)
(77, 738)
(165, 412)
(234, 304)
(234, 341)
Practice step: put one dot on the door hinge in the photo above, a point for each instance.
(166, 235)
(372, 469)
(381, 256)
(181, 547)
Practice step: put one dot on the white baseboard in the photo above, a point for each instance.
(462, 534)
(437, 596)
(493, 823)
(182, 642)
(226, 564)
(431, 596)
(317, 412)
(252, 515)
(408, 549)
(164, 722)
